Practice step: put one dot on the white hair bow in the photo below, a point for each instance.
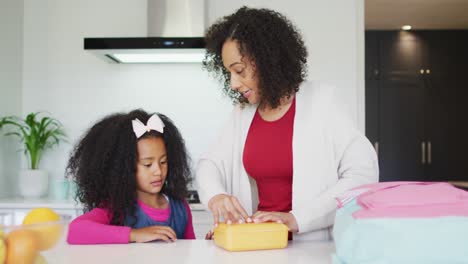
(154, 123)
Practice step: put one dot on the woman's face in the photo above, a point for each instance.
(243, 74)
(151, 165)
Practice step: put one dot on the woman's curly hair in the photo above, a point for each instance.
(103, 164)
(271, 41)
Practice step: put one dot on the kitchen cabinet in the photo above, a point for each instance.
(416, 87)
(372, 92)
(202, 222)
(13, 211)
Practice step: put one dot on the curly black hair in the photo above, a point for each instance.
(103, 164)
(271, 41)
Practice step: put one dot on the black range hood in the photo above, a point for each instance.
(174, 35)
(148, 49)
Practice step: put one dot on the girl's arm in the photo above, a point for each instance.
(94, 228)
(189, 233)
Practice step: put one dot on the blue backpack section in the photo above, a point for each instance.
(177, 220)
(437, 240)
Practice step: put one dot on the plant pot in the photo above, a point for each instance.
(33, 183)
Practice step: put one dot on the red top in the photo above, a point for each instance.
(268, 158)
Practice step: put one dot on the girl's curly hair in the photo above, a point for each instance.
(103, 164)
(271, 41)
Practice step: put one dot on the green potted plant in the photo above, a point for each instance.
(37, 134)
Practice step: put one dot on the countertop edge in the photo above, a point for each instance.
(22, 203)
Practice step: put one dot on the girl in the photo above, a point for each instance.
(132, 172)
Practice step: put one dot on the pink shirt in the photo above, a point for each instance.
(94, 228)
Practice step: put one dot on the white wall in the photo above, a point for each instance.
(78, 88)
(11, 46)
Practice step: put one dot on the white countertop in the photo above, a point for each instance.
(22, 203)
(188, 251)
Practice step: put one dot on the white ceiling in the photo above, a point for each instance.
(420, 14)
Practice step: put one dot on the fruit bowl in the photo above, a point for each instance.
(25, 242)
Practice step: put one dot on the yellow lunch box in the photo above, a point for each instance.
(251, 236)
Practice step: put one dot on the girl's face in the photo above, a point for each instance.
(151, 165)
(243, 74)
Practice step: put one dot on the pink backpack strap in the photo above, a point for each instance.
(412, 199)
(370, 188)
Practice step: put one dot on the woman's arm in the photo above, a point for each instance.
(214, 164)
(94, 228)
(356, 163)
(212, 175)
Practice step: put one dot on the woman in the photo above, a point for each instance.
(286, 152)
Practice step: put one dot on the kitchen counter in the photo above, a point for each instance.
(188, 251)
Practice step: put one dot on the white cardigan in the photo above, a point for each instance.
(330, 156)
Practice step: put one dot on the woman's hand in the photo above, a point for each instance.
(278, 217)
(229, 208)
(209, 235)
(151, 233)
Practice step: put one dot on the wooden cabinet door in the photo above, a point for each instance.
(446, 106)
(372, 87)
(372, 67)
(416, 107)
(438, 81)
(401, 90)
(401, 55)
(401, 126)
(458, 111)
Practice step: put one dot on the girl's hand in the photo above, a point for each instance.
(278, 217)
(229, 208)
(151, 233)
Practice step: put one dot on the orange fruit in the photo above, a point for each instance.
(46, 223)
(2, 251)
(22, 247)
(2, 246)
(40, 215)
